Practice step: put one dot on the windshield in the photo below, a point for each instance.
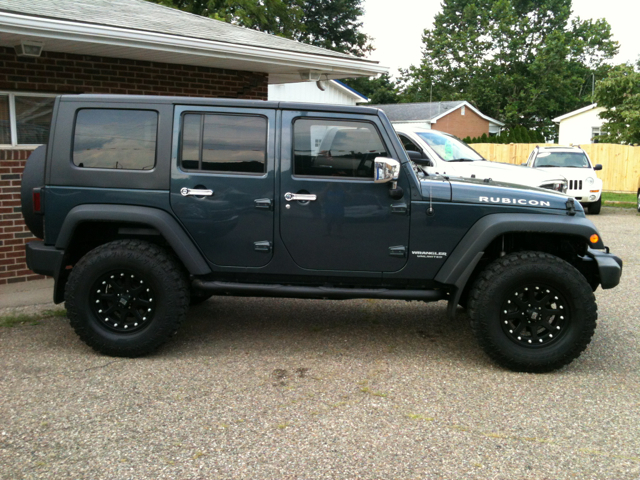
(562, 159)
(449, 148)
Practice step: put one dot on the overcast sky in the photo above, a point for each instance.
(397, 27)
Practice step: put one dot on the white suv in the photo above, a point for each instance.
(574, 164)
(442, 153)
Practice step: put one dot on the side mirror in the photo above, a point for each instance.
(386, 170)
(597, 167)
(420, 158)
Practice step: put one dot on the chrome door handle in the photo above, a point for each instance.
(302, 197)
(197, 192)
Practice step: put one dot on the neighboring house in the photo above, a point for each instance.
(457, 118)
(333, 92)
(57, 47)
(580, 126)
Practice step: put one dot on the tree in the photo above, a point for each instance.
(380, 90)
(521, 61)
(334, 24)
(329, 24)
(619, 94)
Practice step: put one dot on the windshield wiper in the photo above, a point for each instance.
(461, 160)
(544, 166)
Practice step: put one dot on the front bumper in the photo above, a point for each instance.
(609, 267)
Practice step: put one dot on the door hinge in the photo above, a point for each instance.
(264, 203)
(398, 251)
(401, 208)
(262, 246)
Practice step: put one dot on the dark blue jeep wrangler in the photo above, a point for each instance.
(148, 204)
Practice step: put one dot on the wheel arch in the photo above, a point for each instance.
(479, 244)
(158, 222)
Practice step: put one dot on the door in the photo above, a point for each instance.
(333, 216)
(222, 182)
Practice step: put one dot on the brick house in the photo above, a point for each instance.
(52, 47)
(457, 118)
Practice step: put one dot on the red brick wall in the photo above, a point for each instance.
(13, 232)
(68, 73)
(468, 125)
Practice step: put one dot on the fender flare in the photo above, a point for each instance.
(461, 263)
(167, 225)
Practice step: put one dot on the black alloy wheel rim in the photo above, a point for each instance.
(122, 301)
(535, 315)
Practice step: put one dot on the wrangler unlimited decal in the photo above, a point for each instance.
(515, 201)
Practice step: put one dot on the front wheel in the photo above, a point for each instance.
(532, 312)
(639, 200)
(126, 298)
(595, 207)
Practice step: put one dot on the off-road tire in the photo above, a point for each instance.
(510, 301)
(110, 288)
(595, 207)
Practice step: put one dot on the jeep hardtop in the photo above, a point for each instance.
(146, 205)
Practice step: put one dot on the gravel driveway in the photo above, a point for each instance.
(272, 388)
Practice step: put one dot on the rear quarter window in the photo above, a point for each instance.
(115, 139)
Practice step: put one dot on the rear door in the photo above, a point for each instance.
(222, 182)
(348, 222)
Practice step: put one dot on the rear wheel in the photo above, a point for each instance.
(127, 297)
(594, 208)
(532, 312)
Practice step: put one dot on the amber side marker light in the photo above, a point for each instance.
(594, 238)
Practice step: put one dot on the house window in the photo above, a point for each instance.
(25, 118)
(595, 133)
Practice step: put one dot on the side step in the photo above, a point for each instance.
(333, 293)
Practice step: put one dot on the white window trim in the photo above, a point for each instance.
(13, 121)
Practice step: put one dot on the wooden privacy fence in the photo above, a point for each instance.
(620, 163)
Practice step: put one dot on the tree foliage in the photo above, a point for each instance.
(521, 61)
(380, 90)
(324, 23)
(619, 94)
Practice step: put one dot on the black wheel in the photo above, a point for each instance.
(199, 296)
(532, 312)
(639, 200)
(126, 298)
(595, 207)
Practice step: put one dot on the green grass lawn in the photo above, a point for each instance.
(622, 200)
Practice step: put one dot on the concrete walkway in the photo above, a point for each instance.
(37, 293)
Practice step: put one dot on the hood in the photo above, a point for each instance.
(463, 190)
(504, 172)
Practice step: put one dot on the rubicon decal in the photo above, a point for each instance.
(515, 201)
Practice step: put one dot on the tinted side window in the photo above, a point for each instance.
(335, 148)
(224, 143)
(121, 139)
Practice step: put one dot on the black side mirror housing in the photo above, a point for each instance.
(420, 158)
(597, 167)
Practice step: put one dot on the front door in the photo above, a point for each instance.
(344, 221)
(222, 183)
